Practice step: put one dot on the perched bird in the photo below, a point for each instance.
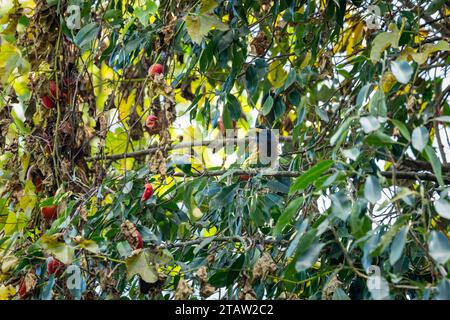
(262, 149)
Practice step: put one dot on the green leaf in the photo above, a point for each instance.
(124, 248)
(435, 164)
(362, 95)
(442, 207)
(287, 216)
(434, 6)
(294, 243)
(310, 176)
(340, 294)
(307, 259)
(443, 290)
(340, 134)
(442, 118)
(267, 105)
(372, 189)
(419, 138)
(369, 124)
(402, 71)
(379, 139)
(387, 238)
(398, 245)
(86, 35)
(402, 128)
(377, 105)
(341, 205)
(439, 247)
(203, 244)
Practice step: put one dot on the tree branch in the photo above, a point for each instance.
(216, 143)
(230, 239)
(406, 175)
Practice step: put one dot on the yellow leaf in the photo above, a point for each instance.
(209, 21)
(306, 60)
(89, 245)
(384, 40)
(29, 197)
(5, 7)
(210, 232)
(208, 6)
(172, 271)
(199, 26)
(193, 28)
(428, 49)
(20, 86)
(355, 38)
(15, 221)
(56, 246)
(7, 292)
(8, 263)
(11, 62)
(138, 264)
(126, 104)
(277, 76)
(388, 80)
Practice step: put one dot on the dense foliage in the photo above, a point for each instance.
(95, 204)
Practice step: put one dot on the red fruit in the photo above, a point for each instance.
(151, 121)
(221, 125)
(38, 183)
(53, 89)
(22, 289)
(47, 102)
(155, 69)
(244, 177)
(55, 267)
(139, 242)
(50, 212)
(148, 192)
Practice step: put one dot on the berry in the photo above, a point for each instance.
(139, 242)
(221, 125)
(148, 192)
(55, 267)
(151, 121)
(38, 183)
(50, 212)
(22, 289)
(244, 177)
(155, 69)
(54, 89)
(47, 102)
